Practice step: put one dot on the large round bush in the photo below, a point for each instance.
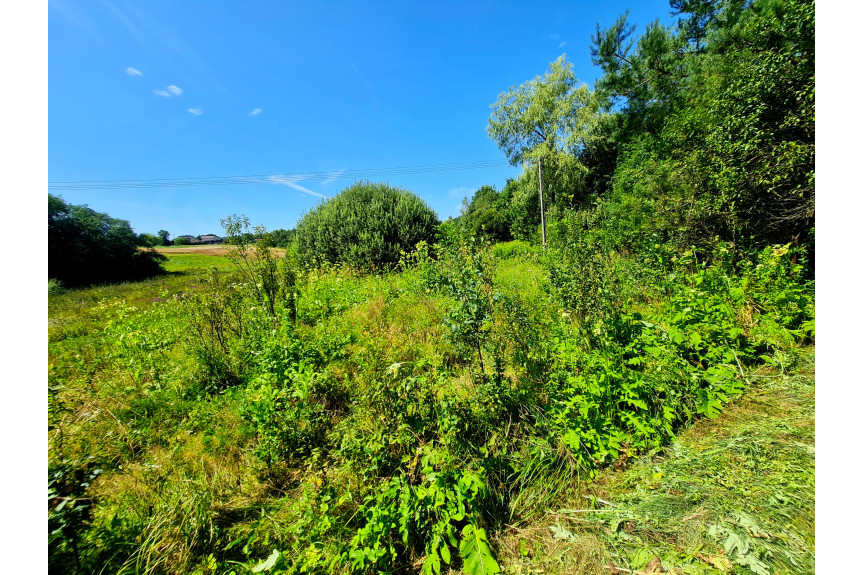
(367, 226)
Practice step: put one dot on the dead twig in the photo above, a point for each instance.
(603, 501)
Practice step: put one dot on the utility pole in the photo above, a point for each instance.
(541, 204)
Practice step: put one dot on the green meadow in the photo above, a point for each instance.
(458, 413)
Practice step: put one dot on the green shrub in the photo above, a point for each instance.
(515, 248)
(464, 271)
(367, 225)
(55, 287)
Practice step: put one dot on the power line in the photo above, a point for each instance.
(271, 178)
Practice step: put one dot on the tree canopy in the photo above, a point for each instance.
(550, 118)
(87, 247)
(700, 130)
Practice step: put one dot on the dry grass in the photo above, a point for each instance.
(208, 250)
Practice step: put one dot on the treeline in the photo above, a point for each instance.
(88, 247)
(699, 131)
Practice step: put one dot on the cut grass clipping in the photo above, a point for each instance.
(731, 494)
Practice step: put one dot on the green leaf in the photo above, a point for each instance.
(269, 563)
(562, 533)
(445, 554)
(476, 552)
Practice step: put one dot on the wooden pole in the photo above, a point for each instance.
(541, 204)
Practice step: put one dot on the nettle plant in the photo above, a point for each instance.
(440, 518)
(646, 373)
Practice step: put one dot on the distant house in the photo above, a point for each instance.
(210, 239)
(185, 240)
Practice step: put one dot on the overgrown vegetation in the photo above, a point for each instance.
(392, 395)
(396, 422)
(701, 130)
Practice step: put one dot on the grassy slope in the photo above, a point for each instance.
(733, 494)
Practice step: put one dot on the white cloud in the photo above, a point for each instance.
(195, 111)
(332, 178)
(292, 183)
(255, 112)
(133, 72)
(169, 91)
(562, 44)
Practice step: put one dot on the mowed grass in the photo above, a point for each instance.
(735, 494)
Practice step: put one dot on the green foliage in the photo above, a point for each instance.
(70, 511)
(646, 374)
(733, 494)
(401, 518)
(217, 317)
(646, 74)
(582, 275)
(279, 418)
(362, 438)
(367, 226)
(465, 272)
(291, 410)
(86, 247)
(478, 558)
(519, 202)
(282, 238)
(717, 127)
(710, 132)
(513, 249)
(273, 281)
(485, 216)
(70, 476)
(55, 287)
(149, 240)
(548, 118)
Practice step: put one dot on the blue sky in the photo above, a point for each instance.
(172, 90)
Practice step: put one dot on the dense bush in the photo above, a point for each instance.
(367, 225)
(149, 240)
(716, 137)
(88, 247)
(282, 238)
(486, 215)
